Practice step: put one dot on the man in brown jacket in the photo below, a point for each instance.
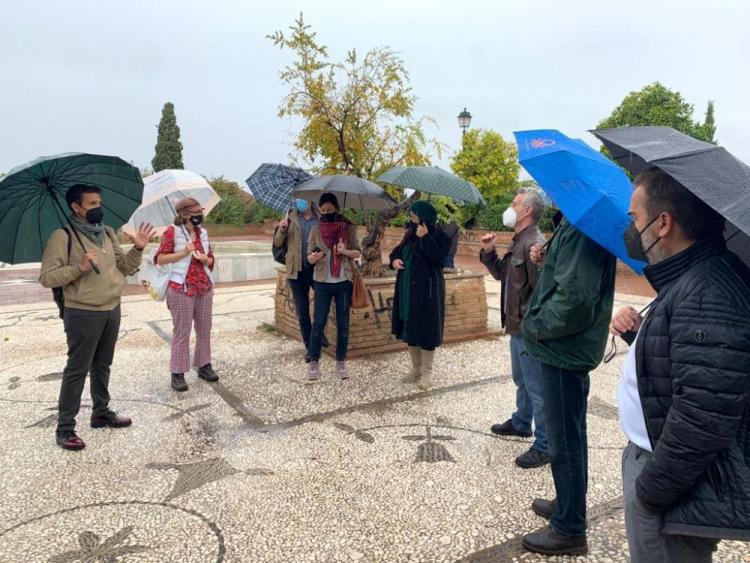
(518, 277)
(92, 306)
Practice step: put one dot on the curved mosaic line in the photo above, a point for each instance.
(212, 526)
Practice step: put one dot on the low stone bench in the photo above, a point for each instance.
(370, 328)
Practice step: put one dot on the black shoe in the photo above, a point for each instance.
(178, 382)
(551, 542)
(207, 373)
(110, 420)
(532, 458)
(507, 429)
(544, 508)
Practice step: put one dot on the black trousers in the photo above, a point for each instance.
(301, 293)
(92, 336)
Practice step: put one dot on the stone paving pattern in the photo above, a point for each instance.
(267, 467)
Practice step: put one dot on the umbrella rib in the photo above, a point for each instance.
(28, 205)
(113, 190)
(71, 166)
(55, 164)
(39, 225)
(71, 175)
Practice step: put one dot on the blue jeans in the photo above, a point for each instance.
(565, 395)
(341, 293)
(449, 261)
(527, 375)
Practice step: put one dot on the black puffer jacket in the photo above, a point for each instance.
(693, 366)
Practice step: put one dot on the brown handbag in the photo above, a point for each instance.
(359, 292)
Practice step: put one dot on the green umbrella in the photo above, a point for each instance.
(32, 199)
(433, 180)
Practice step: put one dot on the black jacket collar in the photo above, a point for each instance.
(665, 272)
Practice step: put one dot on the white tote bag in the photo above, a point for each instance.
(155, 278)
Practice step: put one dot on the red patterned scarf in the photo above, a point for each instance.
(332, 233)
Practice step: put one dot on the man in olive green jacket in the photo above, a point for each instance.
(565, 330)
(91, 314)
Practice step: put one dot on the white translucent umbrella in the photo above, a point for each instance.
(162, 191)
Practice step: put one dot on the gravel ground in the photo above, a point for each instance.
(267, 467)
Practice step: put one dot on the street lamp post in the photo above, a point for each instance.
(464, 120)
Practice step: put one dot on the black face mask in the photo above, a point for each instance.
(634, 244)
(95, 216)
(328, 217)
(196, 220)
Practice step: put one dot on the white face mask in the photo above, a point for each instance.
(509, 218)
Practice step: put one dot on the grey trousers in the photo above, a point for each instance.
(646, 541)
(91, 336)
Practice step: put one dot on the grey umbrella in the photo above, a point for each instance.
(353, 192)
(719, 179)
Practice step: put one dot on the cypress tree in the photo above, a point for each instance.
(709, 125)
(168, 146)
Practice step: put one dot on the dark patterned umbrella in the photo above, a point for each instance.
(273, 184)
(432, 180)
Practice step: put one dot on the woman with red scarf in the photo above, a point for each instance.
(332, 249)
(190, 292)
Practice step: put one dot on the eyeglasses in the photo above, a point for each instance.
(613, 341)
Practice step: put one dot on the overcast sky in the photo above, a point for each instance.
(93, 75)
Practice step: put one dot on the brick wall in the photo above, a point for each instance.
(370, 329)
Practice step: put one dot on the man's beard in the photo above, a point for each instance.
(656, 254)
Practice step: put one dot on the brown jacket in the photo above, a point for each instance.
(321, 267)
(293, 239)
(87, 290)
(518, 276)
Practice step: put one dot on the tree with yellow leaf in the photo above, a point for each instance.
(357, 118)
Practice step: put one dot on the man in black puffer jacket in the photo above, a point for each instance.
(685, 388)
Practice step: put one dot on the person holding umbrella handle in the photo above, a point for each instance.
(334, 247)
(91, 311)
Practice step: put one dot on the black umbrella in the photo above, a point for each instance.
(710, 172)
(358, 193)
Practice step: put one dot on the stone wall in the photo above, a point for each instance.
(468, 245)
(370, 329)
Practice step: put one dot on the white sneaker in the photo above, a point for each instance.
(341, 369)
(313, 371)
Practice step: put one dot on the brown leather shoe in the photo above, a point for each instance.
(69, 441)
(110, 420)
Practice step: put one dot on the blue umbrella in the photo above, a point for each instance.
(590, 190)
(273, 184)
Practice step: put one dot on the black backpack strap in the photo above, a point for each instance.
(70, 241)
